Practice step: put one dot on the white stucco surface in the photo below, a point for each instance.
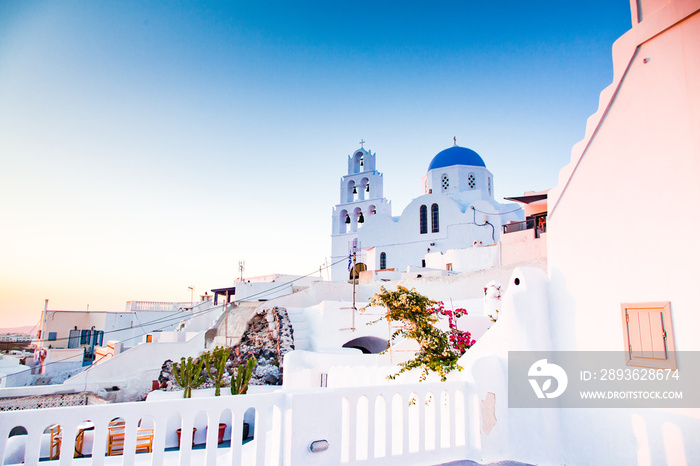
(12, 373)
(135, 369)
(640, 159)
(459, 209)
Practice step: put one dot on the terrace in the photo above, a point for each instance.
(415, 424)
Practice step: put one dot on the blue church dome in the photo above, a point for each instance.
(456, 155)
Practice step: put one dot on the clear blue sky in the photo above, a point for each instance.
(149, 146)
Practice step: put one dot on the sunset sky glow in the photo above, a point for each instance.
(147, 147)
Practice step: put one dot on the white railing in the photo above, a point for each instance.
(412, 424)
(164, 306)
(165, 416)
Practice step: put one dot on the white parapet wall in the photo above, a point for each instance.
(60, 360)
(12, 373)
(521, 246)
(465, 260)
(134, 369)
(400, 424)
(267, 287)
(308, 369)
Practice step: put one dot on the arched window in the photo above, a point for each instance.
(382, 261)
(489, 185)
(435, 218)
(423, 220)
(472, 181)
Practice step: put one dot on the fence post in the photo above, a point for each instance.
(315, 417)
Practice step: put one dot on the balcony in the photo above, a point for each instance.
(537, 223)
(423, 423)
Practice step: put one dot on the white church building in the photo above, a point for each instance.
(455, 212)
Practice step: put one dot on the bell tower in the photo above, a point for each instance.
(361, 197)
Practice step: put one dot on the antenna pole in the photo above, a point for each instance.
(354, 282)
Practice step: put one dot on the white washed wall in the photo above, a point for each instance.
(419, 425)
(134, 370)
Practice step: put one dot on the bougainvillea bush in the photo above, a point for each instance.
(438, 350)
(460, 340)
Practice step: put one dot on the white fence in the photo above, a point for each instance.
(164, 306)
(414, 424)
(410, 424)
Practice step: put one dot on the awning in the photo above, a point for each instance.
(528, 199)
(228, 292)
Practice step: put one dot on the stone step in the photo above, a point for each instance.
(302, 344)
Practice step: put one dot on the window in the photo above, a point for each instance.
(97, 336)
(74, 339)
(471, 181)
(445, 183)
(85, 337)
(423, 220)
(448, 266)
(435, 218)
(52, 336)
(382, 261)
(489, 180)
(648, 335)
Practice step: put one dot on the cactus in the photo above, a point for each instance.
(189, 375)
(241, 376)
(217, 358)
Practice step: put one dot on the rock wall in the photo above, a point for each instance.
(268, 337)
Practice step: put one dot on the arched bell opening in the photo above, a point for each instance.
(363, 190)
(359, 218)
(343, 222)
(351, 191)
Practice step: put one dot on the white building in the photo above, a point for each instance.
(640, 158)
(614, 283)
(12, 373)
(455, 211)
(266, 287)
